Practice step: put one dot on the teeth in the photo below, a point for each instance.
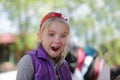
(56, 47)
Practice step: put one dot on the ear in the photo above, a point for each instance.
(39, 34)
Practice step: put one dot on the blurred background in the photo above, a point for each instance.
(92, 22)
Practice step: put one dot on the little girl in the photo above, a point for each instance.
(47, 62)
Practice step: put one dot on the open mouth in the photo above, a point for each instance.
(55, 48)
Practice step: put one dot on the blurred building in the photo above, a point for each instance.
(6, 52)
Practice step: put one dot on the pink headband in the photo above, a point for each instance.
(50, 15)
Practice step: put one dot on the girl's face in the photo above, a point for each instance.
(54, 38)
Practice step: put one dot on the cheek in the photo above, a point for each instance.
(64, 42)
(47, 40)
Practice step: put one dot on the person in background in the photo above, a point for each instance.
(117, 77)
(71, 57)
(47, 61)
(90, 66)
(85, 59)
(115, 72)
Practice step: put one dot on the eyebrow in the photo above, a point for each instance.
(66, 32)
(54, 31)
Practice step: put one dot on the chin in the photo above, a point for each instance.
(54, 56)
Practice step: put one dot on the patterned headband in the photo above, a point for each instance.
(52, 14)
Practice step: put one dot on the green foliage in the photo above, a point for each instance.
(112, 51)
(31, 40)
(28, 41)
(19, 44)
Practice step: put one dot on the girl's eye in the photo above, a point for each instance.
(51, 34)
(63, 36)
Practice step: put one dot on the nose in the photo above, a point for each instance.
(57, 39)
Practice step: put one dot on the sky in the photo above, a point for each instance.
(6, 25)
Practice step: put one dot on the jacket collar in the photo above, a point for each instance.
(41, 53)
